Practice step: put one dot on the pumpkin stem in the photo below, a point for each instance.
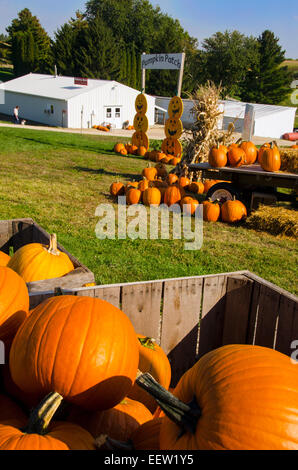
(185, 415)
(147, 342)
(53, 245)
(104, 442)
(41, 416)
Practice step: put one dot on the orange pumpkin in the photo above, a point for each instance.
(174, 161)
(81, 347)
(251, 152)
(40, 434)
(14, 303)
(172, 178)
(133, 149)
(144, 184)
(295, 146)
(217, 157)
(173, 195)
(184, 182)
(118, 147)
(270, 160)
(236, 156)
(150, 173)
(243, 397)
(35, 261)
(154, 360)
(133, 196)
(261, 150)
(208, 184)
(4, 258)
(117, 189)
(196, 187)
(189, 205)
(118, 422)
(211, 211)
(233, 211)
(152, 196)
(141, 152)
(161, 170)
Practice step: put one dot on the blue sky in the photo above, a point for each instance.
(201, 18)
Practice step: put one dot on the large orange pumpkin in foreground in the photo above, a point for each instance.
(241, 397)
(81, 347)
(14, 303)
(250, 150)
(4, 259)
(270, 160)
(40, 434)
(35, 261)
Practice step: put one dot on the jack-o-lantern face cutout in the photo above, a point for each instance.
(140, 139)
(175, 108)
(172, 147)
(140, 123)
(173, 128)
(141, 104)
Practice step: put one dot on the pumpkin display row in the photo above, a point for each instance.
(157, 187)
(246, 153)
(81, 378)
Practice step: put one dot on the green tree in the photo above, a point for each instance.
(35, 56)
(266, 81)
(225, 59)
(96, 53)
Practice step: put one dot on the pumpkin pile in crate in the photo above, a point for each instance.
(79, 377)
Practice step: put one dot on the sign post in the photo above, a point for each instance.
(249, 122)
(166, 61)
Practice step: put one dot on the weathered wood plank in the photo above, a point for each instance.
(180, 323)
(22, 233)
(141, 303)
(268, 311)
(287, 329)
(253, 316)
(72, 280)
(213, 310)
(237, 309)
(110, 294)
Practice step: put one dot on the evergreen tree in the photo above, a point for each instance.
(133, 78)
(27, 33)
(266, 81)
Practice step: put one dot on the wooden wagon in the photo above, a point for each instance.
(192, 315)
(16, 233)
(249, 184)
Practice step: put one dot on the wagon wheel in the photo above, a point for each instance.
(222, 192)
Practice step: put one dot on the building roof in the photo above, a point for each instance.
(237, 109)
(51, 86)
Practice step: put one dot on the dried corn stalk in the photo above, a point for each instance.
(204, 133)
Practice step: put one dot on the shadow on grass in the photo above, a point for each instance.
(101, 171)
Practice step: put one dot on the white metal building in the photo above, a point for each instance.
(270, 121)
(67, 102)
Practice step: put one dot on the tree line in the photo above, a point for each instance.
(107, 39)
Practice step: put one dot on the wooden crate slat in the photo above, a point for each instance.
(237, 309)
(268, 311)
(22, 233)
(142, 305)
(213, 310)
(110, 294)
(76, 278)
(5, 235)
(253, 316)
(180, 323)
(287, 330)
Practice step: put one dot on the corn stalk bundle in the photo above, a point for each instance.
(204, 133)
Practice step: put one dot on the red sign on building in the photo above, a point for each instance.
(81, 81)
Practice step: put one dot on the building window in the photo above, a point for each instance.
(117, 113)
(52, 109)
(109, 113)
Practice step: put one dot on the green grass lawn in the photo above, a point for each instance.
(59, 179)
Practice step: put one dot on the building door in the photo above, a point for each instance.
(113, 116)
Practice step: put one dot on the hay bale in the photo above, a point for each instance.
(289, 160)
(275, 220)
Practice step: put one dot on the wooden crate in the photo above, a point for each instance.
(16, 233)
(193, 315)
